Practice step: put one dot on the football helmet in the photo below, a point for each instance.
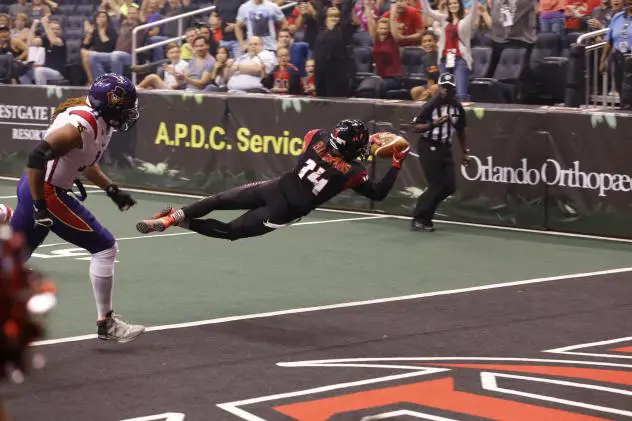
(114, 98)
(350, 138)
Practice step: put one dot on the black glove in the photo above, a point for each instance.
(41, 215)
(122, 199)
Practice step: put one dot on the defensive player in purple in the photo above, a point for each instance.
(73, 144)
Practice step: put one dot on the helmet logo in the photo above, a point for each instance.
(116, 95)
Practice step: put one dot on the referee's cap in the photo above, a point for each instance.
(446, 79)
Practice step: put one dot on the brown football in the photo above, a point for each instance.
(382, 144)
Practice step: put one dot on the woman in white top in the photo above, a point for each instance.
(454, 48)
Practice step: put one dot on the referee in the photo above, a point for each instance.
(440, 117)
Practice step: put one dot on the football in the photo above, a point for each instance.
(5, 214)
(382, 144)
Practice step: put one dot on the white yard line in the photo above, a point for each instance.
(174, 234)
(350, 304)
(394, 216)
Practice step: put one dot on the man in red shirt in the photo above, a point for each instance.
(412, 21)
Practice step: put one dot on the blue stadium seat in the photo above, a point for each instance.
(413, 65)
(481, 58)
(362, 39)
(67, 9)
(85, 9)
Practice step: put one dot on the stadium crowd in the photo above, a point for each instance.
(331, 48)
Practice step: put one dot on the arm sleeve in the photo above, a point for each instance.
(377, 191)
(307, 140)
(242, 14)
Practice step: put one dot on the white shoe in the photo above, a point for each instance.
(113, 328)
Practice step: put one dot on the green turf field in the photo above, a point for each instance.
(329, 258)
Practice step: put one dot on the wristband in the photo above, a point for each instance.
(111, 190)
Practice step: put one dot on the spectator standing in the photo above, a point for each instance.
(552, 16)
(513, 25)
(619, 45)
(227, 10)
(411, 19)
(299, 51)
(331, 50)
(578, 12)
(260, 18)
(454, 48)
(38, 9)
(386, 55)
(603, 14)
(305, 22)
(55, 60)
(360, 11)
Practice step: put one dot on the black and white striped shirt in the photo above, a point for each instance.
(439, 107)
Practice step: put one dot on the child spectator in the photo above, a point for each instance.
(299, 51)
(285, 77)
(431, 69)
(186, 51)
(173, 72)
(309, 84)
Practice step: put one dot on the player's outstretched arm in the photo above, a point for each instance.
(57, 144)
(378, 191)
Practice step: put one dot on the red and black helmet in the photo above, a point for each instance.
(350, 138)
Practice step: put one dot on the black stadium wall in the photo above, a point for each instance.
(534, 167)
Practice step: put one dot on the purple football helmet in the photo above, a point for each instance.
(114, 98)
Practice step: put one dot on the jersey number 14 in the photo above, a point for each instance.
(313, 174)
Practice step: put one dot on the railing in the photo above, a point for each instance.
(180, 37)
(592, 57)
(160, 22)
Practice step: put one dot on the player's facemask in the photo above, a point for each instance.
(125, 118)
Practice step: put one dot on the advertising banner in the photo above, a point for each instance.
(494, 189)
(25, 114)
(589, 174)
(537, 167)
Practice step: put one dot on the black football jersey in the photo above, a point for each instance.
(319, 175)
